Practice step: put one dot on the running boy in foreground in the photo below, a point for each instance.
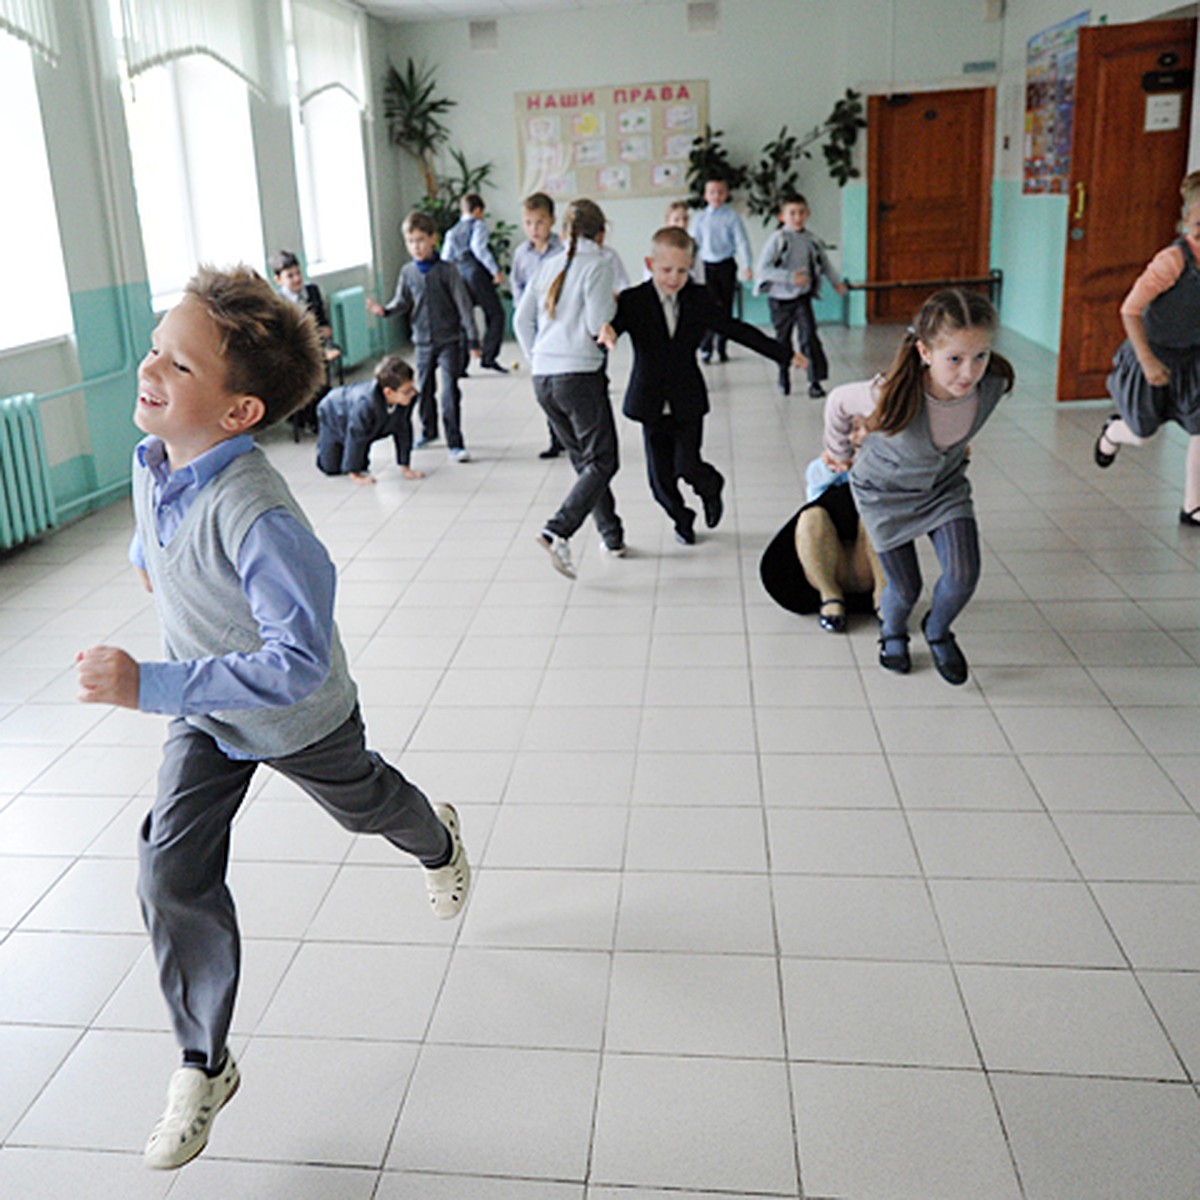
(254, 671)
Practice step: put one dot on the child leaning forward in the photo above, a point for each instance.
(255, 671)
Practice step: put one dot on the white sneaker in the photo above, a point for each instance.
(193, 1101)
(460, 454)
(448, 885)
(559, 549)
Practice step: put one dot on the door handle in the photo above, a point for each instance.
(1080, 201)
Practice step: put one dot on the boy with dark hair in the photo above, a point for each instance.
(431, 294)
(291, 285)
(466, 246)
(790, 269)
(666, 317)
(350, 418)
(255, 669)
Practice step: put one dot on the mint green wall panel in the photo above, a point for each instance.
(1029, 244)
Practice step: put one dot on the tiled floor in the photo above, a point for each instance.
(751, 916)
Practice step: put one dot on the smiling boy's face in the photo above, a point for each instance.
(291, 278)
(794, 216)
(537, 224)
(183, 390)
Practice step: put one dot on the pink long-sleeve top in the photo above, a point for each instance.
(1161, 274)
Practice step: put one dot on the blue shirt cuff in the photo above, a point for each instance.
(160, 687)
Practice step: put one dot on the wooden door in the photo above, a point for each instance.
(929, 169)
(1124, 196)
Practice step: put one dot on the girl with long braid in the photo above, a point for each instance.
(910, 475)
(561, 312)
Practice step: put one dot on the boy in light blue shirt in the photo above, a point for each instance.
(537, 219)
(722, 242)
(466, 245)
(254, 672)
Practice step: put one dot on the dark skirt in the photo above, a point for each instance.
(780, 569)
(1144, 408)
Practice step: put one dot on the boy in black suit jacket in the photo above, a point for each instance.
(666, 317)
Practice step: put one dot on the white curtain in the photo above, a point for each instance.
(32, 21)
(328, 38)
(159, 31)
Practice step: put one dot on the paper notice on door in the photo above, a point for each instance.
(1164, 111)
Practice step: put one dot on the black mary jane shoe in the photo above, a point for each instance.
(947, 657)
(1190, 518)
(900, 663)
(1101, 457)
(834, 622)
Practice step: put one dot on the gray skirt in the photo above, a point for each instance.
(1145, 408)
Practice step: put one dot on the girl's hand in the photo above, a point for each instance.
(1157, 373)
(838, 465)
(107, 676)
(607, 337)
(798, 360)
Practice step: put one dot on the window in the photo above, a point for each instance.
(194, 171)
(34, 301)
(326, 89)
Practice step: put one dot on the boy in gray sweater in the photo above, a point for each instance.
(254, 671)
(431, 293)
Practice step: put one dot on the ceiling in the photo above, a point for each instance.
(395, 11)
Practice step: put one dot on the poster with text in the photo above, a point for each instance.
(1050, 70)
(619, 140)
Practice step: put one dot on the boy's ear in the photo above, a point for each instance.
(244, 413)
(649, 262)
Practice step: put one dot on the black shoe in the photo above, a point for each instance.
(785, 384)
(900, 663)
(706, 357)
(816, 391)
(714, 509)
(947, 657)
(685, 529)
(724, 356)
(1190, 518)
(834, 622)
(1101, 458)
(551, 452)
(495, 366)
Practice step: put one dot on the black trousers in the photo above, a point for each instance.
(673, 453)
(482, 290)
(579, 412)
(449, 358)
(721, 280)
(795, 318)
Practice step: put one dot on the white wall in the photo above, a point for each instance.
(773, 62)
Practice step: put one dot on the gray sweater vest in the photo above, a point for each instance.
(204, 612)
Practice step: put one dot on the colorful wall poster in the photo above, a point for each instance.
(617, 140)
(1050, 70)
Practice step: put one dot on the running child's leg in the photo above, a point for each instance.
(957, 546)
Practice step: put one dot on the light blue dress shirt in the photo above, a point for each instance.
(720, 234)
(469, 236)
(288, 581)
(525, 263)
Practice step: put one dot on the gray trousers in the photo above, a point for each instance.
(579, 412)
(183, 852)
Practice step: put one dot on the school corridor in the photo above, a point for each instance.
(751, 917)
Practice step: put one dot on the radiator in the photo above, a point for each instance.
(348, 315)
(26, 500)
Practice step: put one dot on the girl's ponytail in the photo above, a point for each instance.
(903, 388)
(583, 219)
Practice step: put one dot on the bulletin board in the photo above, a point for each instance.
(1050, 70)
(611, 142)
